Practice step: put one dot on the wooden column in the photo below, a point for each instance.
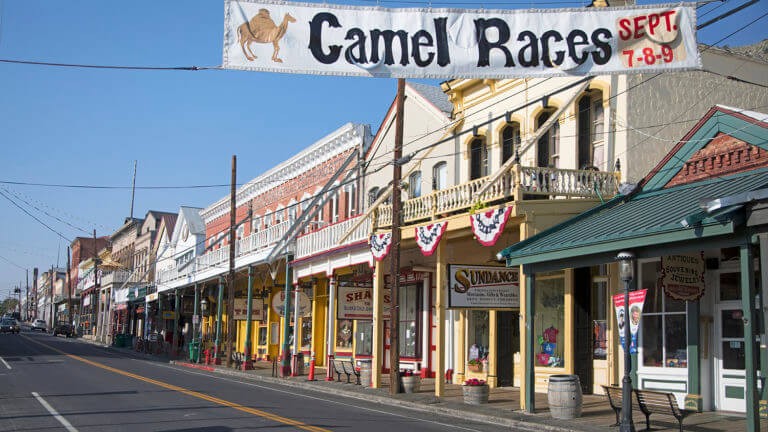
(378, 325)
(461, 347)
(493, 348)
(528, 381)
(569, 304)
(441, 286)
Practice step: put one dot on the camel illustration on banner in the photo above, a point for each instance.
(261, 29)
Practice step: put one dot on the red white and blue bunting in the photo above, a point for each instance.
(380, 244)
(489, 225)
(428, 236)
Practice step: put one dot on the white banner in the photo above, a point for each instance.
(356, 303)
(327, 39)
(483, 287)
(257, 309)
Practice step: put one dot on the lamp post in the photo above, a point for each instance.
(626, 273)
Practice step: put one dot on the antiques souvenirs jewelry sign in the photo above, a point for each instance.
(682, 276)
(483, 287)
(328, 39)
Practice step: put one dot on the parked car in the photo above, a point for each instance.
(9, 325)
(64, 328)
(39, 324)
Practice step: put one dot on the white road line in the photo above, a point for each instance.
(323, 399)
(5, 363)
(67, 425)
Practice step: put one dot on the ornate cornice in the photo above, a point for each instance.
(339, 141)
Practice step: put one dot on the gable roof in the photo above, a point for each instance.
(433, 95)
(653, 214)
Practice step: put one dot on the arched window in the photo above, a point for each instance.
(439, 176)
(591, 137)
(478, 158)
(510, 140)
(414, 184)
(548, 152)
(373, 193)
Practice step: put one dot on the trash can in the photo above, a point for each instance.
(564, 396)
(119, 340)
(365, 372)
(194, 351)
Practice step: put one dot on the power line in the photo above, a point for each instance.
(11, 262)
(92, 66)
(45, 212)
(35, 218)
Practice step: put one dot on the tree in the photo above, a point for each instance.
(9, 305)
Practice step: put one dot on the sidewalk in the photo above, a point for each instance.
(502, 409)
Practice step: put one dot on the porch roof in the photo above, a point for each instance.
(645, 219)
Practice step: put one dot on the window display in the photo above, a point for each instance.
(409, 318)
(306, 333)
(262, 336)
(550, 318)
(344, 334)
(477, 336)
(663, 332)
(598, 311)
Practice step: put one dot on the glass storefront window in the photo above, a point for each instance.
(262, 336)
(663, 335)
(306, 332)
(599, 318)
(409, 314)
(364, 338)
(549, 321)
(344, 333)
(478, 335)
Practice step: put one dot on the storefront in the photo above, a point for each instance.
(698, 228)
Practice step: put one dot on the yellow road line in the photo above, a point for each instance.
(193, 393)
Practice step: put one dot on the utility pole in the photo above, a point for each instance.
(133, 190)
(53, 306)
(96, 305)
(394, 346)
(34, 289)
(69, 290)
(231, 275)
(27, 294)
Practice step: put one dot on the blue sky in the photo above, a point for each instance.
(85, 126)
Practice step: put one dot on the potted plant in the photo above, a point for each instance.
(475, 365)
(475, 391)
(411, 383)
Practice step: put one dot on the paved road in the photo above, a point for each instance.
(57, 384)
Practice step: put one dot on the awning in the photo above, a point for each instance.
(646, 219)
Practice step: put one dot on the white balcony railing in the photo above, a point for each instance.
(327, 238)
(255, 242)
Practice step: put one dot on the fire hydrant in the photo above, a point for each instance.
(207, 356)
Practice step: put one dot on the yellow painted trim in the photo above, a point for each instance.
(461, 348)
(378, 324)
(493, 348)
(569, 305)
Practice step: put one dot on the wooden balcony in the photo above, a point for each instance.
(518, 184)
(327, 238)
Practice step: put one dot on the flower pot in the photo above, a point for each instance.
(475, 367)
(411, 384)
(476, 395)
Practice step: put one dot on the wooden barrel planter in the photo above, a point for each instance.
(410, 384)
(564, 396)
(476, 395)
(365, 374)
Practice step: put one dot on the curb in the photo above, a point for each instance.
(522, 424)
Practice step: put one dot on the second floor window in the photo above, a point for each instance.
(510, 140)
(548, 147)
(590, 124)
(439, 176)
(373, 193)
(414, 184)
(478, 158)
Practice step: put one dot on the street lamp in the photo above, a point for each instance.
(204, 306)
(626, 261)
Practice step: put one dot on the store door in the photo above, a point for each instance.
(583, 344)
(508, 343)
(730, 363)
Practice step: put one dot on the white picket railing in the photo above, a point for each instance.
(327, 238)
(567, 182)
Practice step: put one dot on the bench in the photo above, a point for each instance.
(647, 402)
(347, 368)
(656, 402)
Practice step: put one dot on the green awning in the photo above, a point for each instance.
(648, 218)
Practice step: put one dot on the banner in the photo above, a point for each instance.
(278, 304)
(682, 276)
(636, 301)
(356, 303)
(483, 287)
(428, 236)
(328, 39)
(380, 244)
(257, 309)
(488, 225)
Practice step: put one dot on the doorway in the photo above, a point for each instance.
(508, 343)
(583, 330)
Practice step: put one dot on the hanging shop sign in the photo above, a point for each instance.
(151, 297)
(488, 225)
(483, 287)
(380, 244)
(636, 301)
(682, 276)
(278, 304)
(121, 306)
(257, 309)
(428, 236)
(328, 39)
(87, 300)
(356, 303)
(169, 315)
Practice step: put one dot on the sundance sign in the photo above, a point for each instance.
(483, 287)
(450, 43)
